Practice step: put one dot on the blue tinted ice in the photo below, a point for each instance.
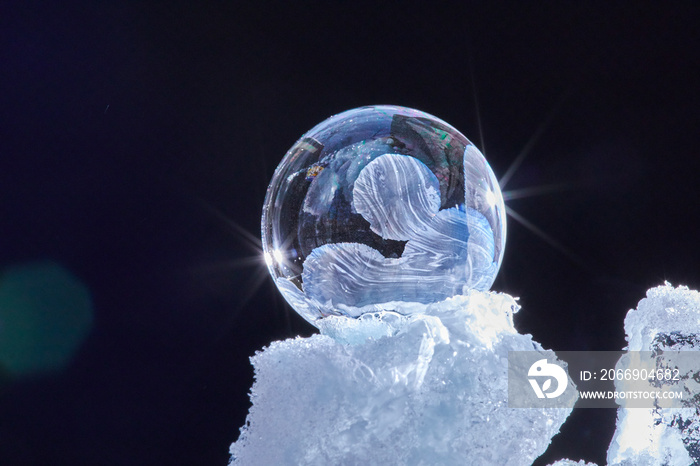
(423, 389)
(382, 208)
(666, 322)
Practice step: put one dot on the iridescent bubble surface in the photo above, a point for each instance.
(382, 208)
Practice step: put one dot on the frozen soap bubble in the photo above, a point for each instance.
(382, 208)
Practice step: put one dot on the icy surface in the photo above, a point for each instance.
(572, 463)
(427, 389)
(668, 319)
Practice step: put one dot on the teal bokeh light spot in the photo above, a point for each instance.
(45, 314)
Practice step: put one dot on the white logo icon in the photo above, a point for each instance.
(542, 368)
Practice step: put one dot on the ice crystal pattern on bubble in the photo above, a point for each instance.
(381, 208)
(400, 198)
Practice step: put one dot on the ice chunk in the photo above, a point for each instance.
(664, 312)
(568, 462)
(355, 331)
(668, 319)
(422, 389)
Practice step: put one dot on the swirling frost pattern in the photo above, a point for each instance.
(447, 251)
(396, 208)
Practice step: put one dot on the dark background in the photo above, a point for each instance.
(137, 140)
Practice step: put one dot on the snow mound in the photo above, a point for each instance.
(424, 389)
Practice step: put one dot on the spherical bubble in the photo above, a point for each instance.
(382, 208)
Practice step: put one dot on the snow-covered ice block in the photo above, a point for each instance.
(426, 389)
(668, 320)
(665, 312)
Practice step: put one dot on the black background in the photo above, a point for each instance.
(137, 140)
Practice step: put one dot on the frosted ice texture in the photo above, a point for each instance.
(568, 462)
(398, 195)
(381, 208)
(400, 198)
(668, 319)
(422, 389)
